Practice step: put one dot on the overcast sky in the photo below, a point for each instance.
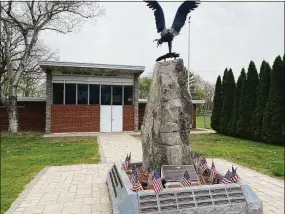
(222, 34)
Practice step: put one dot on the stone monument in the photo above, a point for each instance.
(167, 120)
(165, 142)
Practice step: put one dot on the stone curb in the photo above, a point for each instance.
(102, 155)
(26, 191)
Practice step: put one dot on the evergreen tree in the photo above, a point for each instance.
(247, 102)
(262, 97)
(274, 113)
(228, 90)
(217, 108)
(223, 84)
(235, 109)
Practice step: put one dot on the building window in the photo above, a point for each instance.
(57, 93)
(128, 95)
(94, 92)
(70, 93)
(105, 94)
(117, 95)
(82, 93)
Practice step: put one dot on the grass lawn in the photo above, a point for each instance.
(203, 122)
(265, 158)
(23, 155)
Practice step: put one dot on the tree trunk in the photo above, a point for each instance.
(12, 110)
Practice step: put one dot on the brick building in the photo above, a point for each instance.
(85, 97)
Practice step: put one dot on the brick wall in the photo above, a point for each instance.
(141, 113)
(31, 116)
(128, 118)
(75, 118)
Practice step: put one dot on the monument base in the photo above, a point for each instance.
(206, 199)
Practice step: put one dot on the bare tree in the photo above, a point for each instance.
(208, 90)
(21, 24)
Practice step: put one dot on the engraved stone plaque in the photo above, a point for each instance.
(175, 173)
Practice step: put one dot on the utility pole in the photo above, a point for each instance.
(189, 56)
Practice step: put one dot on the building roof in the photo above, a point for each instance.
(193, 101)
(53, 65)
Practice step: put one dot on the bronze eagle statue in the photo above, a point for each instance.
(167, 35)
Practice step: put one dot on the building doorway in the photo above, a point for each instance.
(111, 108)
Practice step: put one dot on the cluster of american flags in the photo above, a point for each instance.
(201, 163)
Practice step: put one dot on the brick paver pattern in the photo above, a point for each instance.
(82, 188)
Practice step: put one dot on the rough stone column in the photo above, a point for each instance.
(48, 100)
(167, 119)
(136, 102)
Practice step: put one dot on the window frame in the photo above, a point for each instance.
(64, 82)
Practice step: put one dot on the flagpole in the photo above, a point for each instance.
(188, 74)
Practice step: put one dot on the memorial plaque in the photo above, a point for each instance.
(166, 195)
(168, 201)
(218, 191)
(169, 207)
(182, 200)
(184, 194)
(149, 210)
(175, 173)
(148, 203)
(115, 178)
(237, 201)
(222, 202)
(201, 192)
(202, 198)
(117, 174)
(236, 194)
(220, 196)
(113, 185)
(235, 189)
(187, 206)
(147, 197)
(204, 204)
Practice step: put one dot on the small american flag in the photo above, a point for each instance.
(213, 173)
(157, 185)
(134, 176)
(135, 181)
(125, 165)
(186, 181)
(227, 178)
(130, 159)
(204, 164)
(234, 177)
(196, 158)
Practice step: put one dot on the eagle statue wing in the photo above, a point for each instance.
(182, 13)
(158, 14)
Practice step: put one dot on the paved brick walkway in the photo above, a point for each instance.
(82, 188)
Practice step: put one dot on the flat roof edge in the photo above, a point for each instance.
(90, 65)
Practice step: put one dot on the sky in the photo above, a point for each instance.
(222, 34)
